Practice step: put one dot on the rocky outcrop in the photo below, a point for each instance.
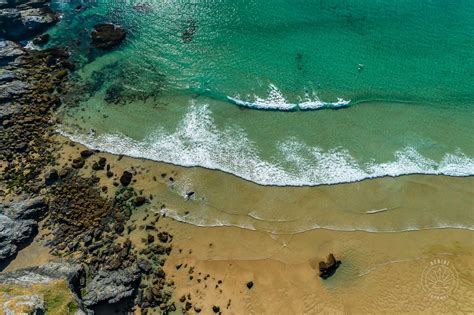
(25, 20)
(328, 268)
(50, 283)
(18, 224)
(106, 35)
(43, 274)
(111, 286)
(9, 90)
(9, 51)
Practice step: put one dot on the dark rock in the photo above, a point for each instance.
(163, 237)
(78, 163)
(250, 285)
(126, 178)
(86, 153)
(139, 201)
(328, 268)
(106, 35)
(216, 309)
(51, 176)
(188, 306)
(21, 147)
(41, 40)
(109, 174)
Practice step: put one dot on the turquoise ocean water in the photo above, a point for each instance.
(279, 92)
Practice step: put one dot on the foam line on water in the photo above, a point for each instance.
(198, 142)
(246, 225)
(276, 101)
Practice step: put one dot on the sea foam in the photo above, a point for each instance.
(198, 142)
(276, 101)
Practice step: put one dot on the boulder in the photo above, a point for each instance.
(126, 178)
(111, 286)
(328, 268)
(107, 35)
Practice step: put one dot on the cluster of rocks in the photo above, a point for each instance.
(82, 223)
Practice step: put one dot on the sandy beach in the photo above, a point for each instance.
(381, 272)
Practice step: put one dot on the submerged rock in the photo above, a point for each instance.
(107, 35)
(328, 268)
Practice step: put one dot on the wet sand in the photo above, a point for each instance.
(381, 272)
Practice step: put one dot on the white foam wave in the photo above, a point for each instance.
(198, 142)
(276, 101)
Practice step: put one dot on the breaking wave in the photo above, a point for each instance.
(197, 141)
(276, 101)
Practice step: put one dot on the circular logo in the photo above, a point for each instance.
(439, 279)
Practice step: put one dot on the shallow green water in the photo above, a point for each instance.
(171, 91)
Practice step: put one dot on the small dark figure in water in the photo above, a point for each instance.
(299, 61)
(189, 32)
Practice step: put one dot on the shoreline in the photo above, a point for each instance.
(70, 137)
(93, 223)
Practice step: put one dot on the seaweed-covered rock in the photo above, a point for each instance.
(107, 35)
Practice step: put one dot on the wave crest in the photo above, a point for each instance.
(276, 101)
